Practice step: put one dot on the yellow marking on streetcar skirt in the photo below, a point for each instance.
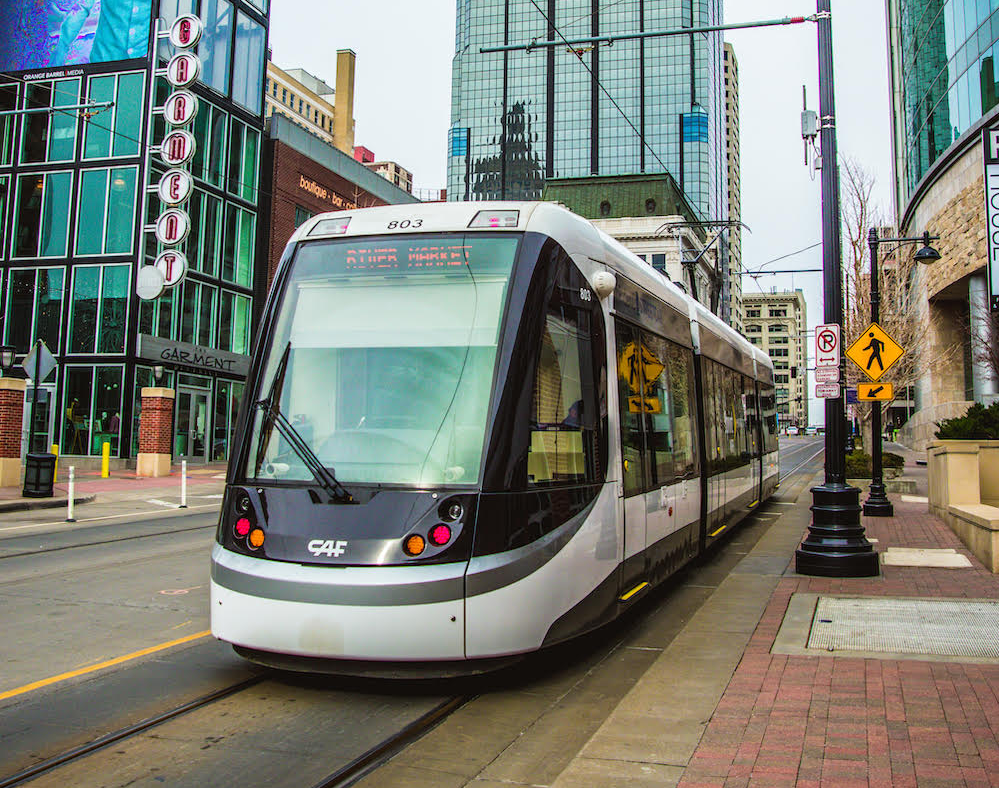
(633, 591)
(100, 665)
(715, 533)
(754, 503)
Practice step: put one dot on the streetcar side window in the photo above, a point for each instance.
(569, 391)
(630, 398)
(681, 371)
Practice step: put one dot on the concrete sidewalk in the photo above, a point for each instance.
(121, 485)
(739, 699)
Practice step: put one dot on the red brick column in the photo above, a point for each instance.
(155, 432)
(11, 424)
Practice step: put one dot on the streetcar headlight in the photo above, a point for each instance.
(414, 545)
(242, 504)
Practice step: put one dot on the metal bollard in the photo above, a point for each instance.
(183, 484)
(55, 468)
(72, 494)
(106, 460)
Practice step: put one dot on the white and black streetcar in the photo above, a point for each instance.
(472, 431)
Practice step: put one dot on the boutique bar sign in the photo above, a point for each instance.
(176, 151)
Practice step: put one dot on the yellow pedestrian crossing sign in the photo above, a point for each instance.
(875, 352)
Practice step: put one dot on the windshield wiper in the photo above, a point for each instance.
(273, 417)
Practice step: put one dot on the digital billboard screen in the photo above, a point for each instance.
(38, 34)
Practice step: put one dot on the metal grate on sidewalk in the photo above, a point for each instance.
(907, 626)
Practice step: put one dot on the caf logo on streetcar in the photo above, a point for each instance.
(332, 548)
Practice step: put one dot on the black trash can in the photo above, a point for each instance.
(39, 470)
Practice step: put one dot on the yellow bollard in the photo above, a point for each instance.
(105, 460)
(55, 471)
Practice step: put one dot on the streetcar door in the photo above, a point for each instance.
(633, 454)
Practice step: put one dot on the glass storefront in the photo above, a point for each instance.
(77, 192)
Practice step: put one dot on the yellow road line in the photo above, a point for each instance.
(633, 591)
(100, 665)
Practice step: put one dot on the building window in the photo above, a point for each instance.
(234, 323)
(92, 414)
(237, 254)
(248, 70)
(215, 49)
(752, 313)
(34, 307)
(99, 312)
(9, 95)
(302, 216)
(50, 136)
(210, 135)
(778, 313)
(156, 317)
(243, 145)
(116, 131)
(106, 211)
(41, 219)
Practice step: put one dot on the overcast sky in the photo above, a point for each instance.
(403, 93)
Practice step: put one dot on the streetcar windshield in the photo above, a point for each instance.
(391, 348)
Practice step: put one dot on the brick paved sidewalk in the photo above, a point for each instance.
(846, 721)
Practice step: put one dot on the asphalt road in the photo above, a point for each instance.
(89, 600)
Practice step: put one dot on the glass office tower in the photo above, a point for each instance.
(944, 54)
(77, 199)
(518, 118)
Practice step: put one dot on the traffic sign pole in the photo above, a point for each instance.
(835, 545)
(34, 399)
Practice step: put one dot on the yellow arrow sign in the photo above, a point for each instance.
(875, 352)
(875, 392)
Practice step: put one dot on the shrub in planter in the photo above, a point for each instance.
(979, 423)
(858, 464)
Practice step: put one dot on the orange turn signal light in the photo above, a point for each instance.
(256, 539)
(414, 545)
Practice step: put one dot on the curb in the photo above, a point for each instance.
(27, 504)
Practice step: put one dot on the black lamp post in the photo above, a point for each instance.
(877, 503)
(835, 545)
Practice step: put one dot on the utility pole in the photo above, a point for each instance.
(836, 545)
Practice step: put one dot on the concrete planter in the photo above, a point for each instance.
(964, 493)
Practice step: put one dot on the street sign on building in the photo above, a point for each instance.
(875, 352)
(990, 143)
(875, 392)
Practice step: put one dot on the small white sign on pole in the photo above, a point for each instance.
(827, 374)
(827, 390)
(827, 345)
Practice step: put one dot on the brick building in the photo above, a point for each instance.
(303, 176)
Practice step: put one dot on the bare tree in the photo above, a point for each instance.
(902, 316)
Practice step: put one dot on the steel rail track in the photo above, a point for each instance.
(381, 753)
(89, 748)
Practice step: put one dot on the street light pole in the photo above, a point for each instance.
(877, 503)
(835, 545)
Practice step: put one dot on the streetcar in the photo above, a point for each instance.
(472, 431)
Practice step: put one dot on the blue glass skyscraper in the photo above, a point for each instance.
(637, 106)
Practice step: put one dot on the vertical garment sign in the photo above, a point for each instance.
(990, 143)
